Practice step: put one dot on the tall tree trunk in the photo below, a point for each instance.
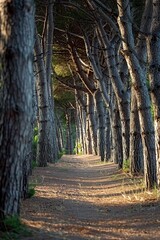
(60, 132)
(29, 155)
(88, 138)
(108, 136)
(69, 143)
(101, 138)
(83, 128)
(136, 152)
(109, 45)
(136, 148)
(121, 93)
(79, 139)
(48, 55)
(117, 152)
(153, 43)
(92, 121)
(45, 147)
(143, 100)
(16, 73)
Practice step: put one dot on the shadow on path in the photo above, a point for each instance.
(81, 198)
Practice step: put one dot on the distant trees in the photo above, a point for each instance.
(47, 146)
(111, 55)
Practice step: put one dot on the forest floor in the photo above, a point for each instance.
(80, 198)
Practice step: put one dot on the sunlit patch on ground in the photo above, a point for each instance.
(81, 198)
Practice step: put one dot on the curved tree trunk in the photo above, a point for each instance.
(121, 93)
(136, 148)
(143, 100)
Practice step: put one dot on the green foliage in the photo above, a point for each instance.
(126, 165)
(78, 149)
(62, 70)
(31, 190)
(34, 164)
(60, 154)
(14, 229)
(34, 146)
(63, 96)
(152, 111)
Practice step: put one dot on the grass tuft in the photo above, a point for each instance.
(13, 229)
(31, 190)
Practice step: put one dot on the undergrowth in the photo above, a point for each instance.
(126, 165)
(13, 229)
(31, 190)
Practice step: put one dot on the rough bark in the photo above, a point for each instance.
(142, 95)
(121, 93)
(89, 148)
(153, 43)
(16, 73)
(76, 60)
(45, 147)
(136, 154)
(108, 136)
(81, 116)
(101, 138)
(69, 140)
(60, 132)
(92, 121)
(48, 63)
(117, 152)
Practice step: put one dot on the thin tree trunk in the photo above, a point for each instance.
(93, 127)
(117, 152)
(69, 134)
(101, 138)
(122, 95)
(136, 153)
(88, 137)
(108, 136)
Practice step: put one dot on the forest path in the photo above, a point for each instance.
(80, 198)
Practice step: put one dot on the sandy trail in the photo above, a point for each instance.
(80, 198)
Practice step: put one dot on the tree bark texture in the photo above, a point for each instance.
(136, 150)
(117, 152)
(101, 137)
(153, 43)
(69, 138)
(16, 73)
(48, 62)
(122, 95)
(45, 147)
(143, 100)
(92, 121)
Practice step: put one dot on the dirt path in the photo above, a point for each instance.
(80, 198)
